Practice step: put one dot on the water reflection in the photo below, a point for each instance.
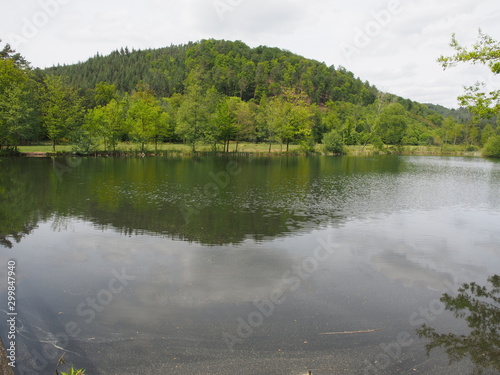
(216, 201)
(403, 230)
(213, 201)
(479, 307)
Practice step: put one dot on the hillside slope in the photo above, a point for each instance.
(233, 68)
(215, 92)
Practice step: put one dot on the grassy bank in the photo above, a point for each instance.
(163, 149)
(166, 149)
(447, 150)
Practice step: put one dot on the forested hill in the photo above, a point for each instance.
(214, 92)
(233, 68)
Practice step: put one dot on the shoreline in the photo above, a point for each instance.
(351, 151)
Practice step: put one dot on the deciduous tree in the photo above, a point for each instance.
(62, 111)
(485, 51)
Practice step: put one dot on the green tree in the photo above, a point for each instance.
(485, 51)
(286, 118)
(89, 135)
(298, 125)
(7, 53)
(103, 93)
(333, 143)
(16, 103)
(144, 117)
(192, 116)
(272, 118)
(486, 133)
(114, 123)
(171, 108)
(245, 120)
(102, 123)
(212, 131)
(62, 112)
(451, 130)
(226, 120)
(393, 124)
(492, 147)
(331, 119)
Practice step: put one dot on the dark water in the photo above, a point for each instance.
(240, 266)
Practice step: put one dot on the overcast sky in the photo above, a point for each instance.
(393, 44)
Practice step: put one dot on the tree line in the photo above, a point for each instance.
(214, 92)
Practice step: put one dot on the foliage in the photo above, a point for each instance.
(393, 124)
(17, 102)
(72, 371)
(144, 117)
(215, 92)
(192, 117)
(480, 308)
(62, 111)
(485, 51)
(332, 143)
(84, 142)
(492, 147)
(232, 68)
(308, 146)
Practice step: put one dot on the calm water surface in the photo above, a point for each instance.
(243, 266)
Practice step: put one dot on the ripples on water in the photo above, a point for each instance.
(403, 229)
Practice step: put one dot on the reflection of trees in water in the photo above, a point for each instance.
(271, 197)
(22, 202)
(480, 308)
(7, 239)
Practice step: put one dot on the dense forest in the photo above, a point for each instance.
(214, 92)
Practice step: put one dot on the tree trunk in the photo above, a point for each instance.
(54, 145)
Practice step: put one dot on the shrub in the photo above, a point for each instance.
(471, 148)
(492, 147)
(332, 143)
(378, 144)
(308, 146)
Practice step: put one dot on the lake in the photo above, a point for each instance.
(243, 265)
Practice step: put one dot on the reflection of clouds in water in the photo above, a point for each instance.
(422, 247)
(398, 267)
(213, 275)
(174, 286)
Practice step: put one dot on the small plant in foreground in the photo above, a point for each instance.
(71, 371)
